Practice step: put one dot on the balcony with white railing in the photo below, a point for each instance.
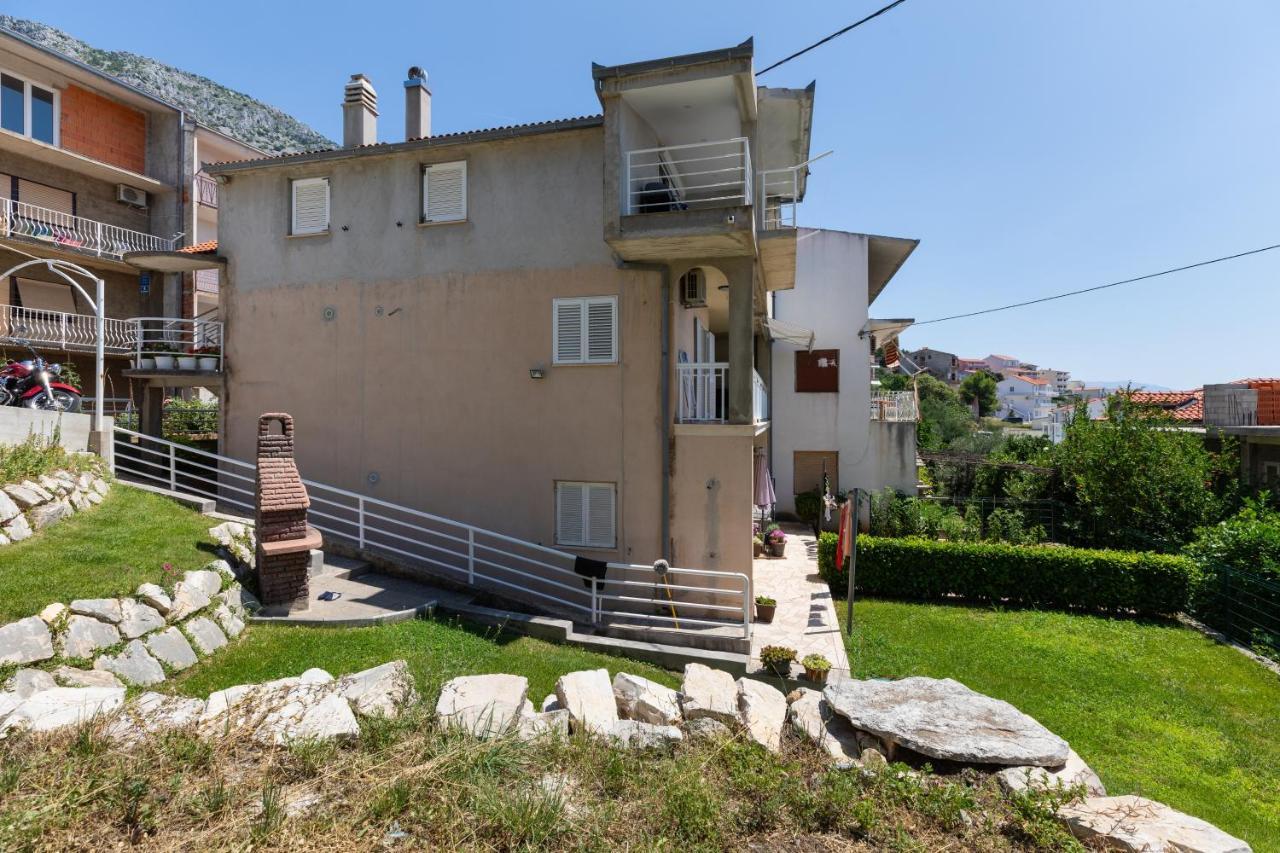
(164, 344)
(75, 233)
(704, 394)
(67, 332)
(696, 176)
(779, 193)
(894, 406)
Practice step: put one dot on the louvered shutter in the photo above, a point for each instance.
(567, 330)
(602, 330)
(570, 513)
(310, 206)
(444, 192)
(598, 532)
(50, 198)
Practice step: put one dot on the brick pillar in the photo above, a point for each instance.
(285, 539)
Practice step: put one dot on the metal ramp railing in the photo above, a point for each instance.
(630, 595)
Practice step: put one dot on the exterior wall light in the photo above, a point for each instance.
(536, 372)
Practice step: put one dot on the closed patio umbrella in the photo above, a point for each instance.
(765, 497)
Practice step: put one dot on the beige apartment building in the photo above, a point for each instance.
(554, 330)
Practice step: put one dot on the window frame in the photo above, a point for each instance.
(424, 171)
(815, 371)
(27, 85)
(584, 543)
(584, 351)
(293, 205)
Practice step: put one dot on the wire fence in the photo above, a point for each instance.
(1049, 515)
(1245, 607)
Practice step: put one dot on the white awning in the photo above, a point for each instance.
(46, 296)
(781, 330)
(886, 330)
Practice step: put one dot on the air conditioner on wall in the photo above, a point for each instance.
(131, 195)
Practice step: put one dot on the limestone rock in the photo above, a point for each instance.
(85, 635)
(78, 501)
(69, 676)
(28, 682)
(707, 728)
(1138, 824)
(223, 568)
(551, 703)
(8, 509)
(25, 496)
(1074, 772)
(483, 705)
(187, 599)
(206, 635)
(153, 595)
(40, 491)
(237, 539)
(4, 540)
(943, 719)
(54, 485)
(135, 665)
(172, 648)
(137, 619)
(49, 513)
(320, 716)
(93, 497)
(383, 690)
(762, 709)
(588, 697)
(17, 529)
(25, 641)
(231, 624)
(634, 734)
(811, 716)
(84, 481)
(63, 706)
(101, 486)
(53, 612)
(644, 700)
(873, 759)
(531, 725)
(153, 713)
(707, 692)
(239, 600)
(102, 609)
(206, 581)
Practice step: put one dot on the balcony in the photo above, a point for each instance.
(206, 191)
(894, 406)
(75, 233)
(704, 394)
(67, 332)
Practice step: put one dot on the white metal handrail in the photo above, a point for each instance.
(168, 337)
(759, 398)
(206, 190)
(704, 389)
(779, 190)
(20, 219)
(64, 331)
(894, 406)
(691, 176)
(461, 552)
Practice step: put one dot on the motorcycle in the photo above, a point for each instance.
(33, 384)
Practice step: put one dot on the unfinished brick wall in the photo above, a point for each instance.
(100, 128)
(284, 539)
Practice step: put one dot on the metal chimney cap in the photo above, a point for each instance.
(415, 77)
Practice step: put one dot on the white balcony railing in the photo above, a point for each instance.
(894, 406)
(704, 394)
(19, 219)
(206, 190)
(779, 189)
(162, 338)
(688, 177)
(70, 332)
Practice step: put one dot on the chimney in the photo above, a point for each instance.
(359, 113)
(417, 105)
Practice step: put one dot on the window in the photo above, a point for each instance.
(693, 288)
(310, 206)
(585, 330)
(28, 109)
(584, 515)
(444, 192)
(818, 371)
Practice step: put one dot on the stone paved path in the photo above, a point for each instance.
(806, 616)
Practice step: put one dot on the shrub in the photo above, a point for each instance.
(827, 556)
(1248, 541)
(1055, 577)
(777, 658)
(809, 507)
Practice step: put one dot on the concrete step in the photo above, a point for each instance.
(334, 566)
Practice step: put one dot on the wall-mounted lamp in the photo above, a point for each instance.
(536, 372)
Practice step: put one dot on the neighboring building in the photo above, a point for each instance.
(96, 172)
(1059, 380)
(1248, 410)
(554, 330)
(827, 414)
(1001, 363)
(1023, 397)
(968, 366)
(1054, 425)
(941, 365)
(1186, 407)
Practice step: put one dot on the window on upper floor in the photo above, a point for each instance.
(309, 203)
(584, 330)
(444, 192)
(585, 515)
(28, 109)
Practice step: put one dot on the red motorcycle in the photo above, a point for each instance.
(33, 384)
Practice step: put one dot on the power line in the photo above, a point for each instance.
(1101, 286)
(836, 34)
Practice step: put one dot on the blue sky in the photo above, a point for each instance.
(1033, 147)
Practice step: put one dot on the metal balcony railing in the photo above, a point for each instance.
(704, 394)
(894, 406)
(779, 189)
(19, 219)
(206, 190)
(181, 344)
(688, 177)
(70, 332)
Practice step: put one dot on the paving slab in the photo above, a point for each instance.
(370, 598)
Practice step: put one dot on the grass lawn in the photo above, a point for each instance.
(1156, 709)
(105, 551)
(436, 650)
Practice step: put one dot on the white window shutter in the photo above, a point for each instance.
(310, 206)
(599, 532)
(567, 331)
(444, 192)
(570, 513)
(602, 329)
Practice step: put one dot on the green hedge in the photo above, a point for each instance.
(1055, 577)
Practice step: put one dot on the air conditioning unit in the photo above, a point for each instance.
(131, 195)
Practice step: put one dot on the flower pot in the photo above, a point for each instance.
(782, 670)
(817, 676)
(164, 362)
(764, 612)
(144, 363)
(186, 362)
(777, 549)
(208, 362)
(757, 548)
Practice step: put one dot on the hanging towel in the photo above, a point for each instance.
(841, 543)
(589, 569)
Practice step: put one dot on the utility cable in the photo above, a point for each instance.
(836, 34)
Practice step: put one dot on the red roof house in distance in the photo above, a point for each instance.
(1184, 406)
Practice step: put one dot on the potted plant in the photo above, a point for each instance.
(144, 362)
(777, 542)
(765, 607)
(164, 355)
(187, 360)
(816, 668)
(207, 356)
(757, 545)
(777, 659)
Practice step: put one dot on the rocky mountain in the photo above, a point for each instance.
(212, 104)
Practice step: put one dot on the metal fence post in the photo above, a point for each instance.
(360, 521)
(595, 601)
(471, 556)
(173, 468)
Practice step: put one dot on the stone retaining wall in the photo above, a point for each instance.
(33, 505)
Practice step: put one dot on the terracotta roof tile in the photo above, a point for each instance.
(1179, 405)
(207, 247)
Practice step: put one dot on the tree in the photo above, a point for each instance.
(980, 386)
(943, 418)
